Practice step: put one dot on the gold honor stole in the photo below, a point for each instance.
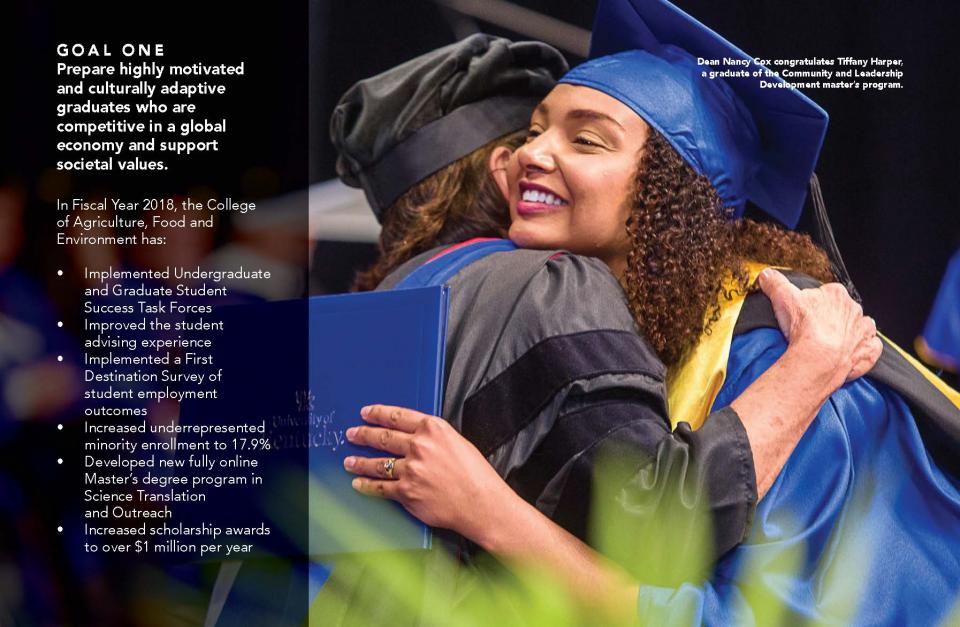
(693, 384)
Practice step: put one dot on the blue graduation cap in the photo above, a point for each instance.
(753, 143)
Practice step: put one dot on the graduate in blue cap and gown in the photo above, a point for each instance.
(870, 493)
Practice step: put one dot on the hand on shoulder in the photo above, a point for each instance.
(824, 324)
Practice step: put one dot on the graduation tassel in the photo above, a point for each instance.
(824, 235)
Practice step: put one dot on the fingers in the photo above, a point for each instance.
(389, 440)
(874, 351)
(866, 358)
(406, 420)
(377, 487)
(373, 467)
(866, 330)
(776, 286)
(868, 349)
(783, 297)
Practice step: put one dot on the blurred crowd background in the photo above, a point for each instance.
(889, 173)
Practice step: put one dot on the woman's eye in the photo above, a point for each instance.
(585, 141)
(532, 134)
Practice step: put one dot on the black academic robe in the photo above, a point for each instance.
(545, 371)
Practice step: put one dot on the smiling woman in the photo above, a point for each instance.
(544, 367)
(639, 138)
(589, 166)
(571, 144)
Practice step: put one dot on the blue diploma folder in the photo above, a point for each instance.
(379, 347)
(304, 369)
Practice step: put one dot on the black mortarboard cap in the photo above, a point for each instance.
(395, 129)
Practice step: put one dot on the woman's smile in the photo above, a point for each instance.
(538, 199)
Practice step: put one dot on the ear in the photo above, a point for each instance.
(499, 159)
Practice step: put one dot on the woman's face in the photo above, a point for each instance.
(568, 185)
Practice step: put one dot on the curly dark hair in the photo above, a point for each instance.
(684, 245)
(457, 203)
